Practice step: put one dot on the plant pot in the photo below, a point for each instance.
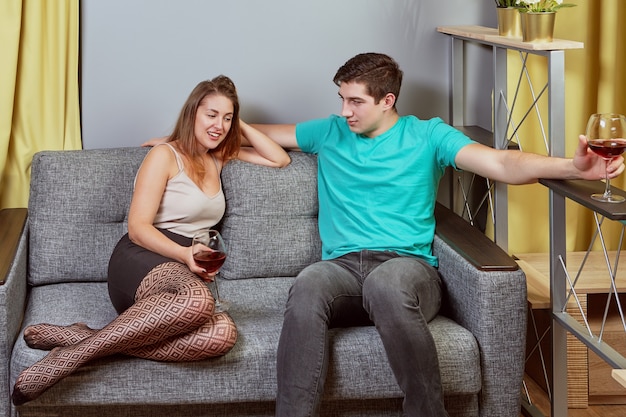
(509, 22)
(538, 27)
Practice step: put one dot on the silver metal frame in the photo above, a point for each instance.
(562, 322)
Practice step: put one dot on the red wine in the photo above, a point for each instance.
(211, 261)
(607, 148)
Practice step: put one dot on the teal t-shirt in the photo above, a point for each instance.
(379, 193)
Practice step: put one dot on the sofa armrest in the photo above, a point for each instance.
(468, 241)
(13, 274)
(12, 223)
(485, 292)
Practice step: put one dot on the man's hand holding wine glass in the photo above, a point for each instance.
(606, 137)
(592, 167)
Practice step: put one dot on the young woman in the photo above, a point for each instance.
(177, 193)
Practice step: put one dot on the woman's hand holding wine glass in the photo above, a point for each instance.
(209, 253)
(606, 136)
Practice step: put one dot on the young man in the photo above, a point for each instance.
(378, 174)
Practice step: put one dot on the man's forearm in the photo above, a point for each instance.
(283, 134)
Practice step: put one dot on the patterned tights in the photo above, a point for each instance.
(172, 320)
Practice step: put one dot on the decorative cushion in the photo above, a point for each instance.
(263, 202)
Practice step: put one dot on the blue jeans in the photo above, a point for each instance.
(398, 294)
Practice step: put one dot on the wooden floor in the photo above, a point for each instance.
(541, 402)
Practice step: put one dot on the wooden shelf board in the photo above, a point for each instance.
(594, 278)
(478, 134)
(537, 287)
(580, 191)
(490, 35)
(620, 376)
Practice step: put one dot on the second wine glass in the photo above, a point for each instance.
(606, 133)
(209, 252)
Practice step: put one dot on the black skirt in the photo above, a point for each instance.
(128, 266)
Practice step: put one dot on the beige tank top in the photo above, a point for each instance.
(185, 209)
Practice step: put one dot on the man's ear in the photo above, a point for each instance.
(389, 100)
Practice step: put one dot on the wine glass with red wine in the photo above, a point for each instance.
(606, 136)
(209, 252)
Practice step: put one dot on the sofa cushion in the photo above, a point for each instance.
(277, 202)
(77, 211)
(358, 367)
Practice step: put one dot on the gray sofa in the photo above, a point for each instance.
(54, 263)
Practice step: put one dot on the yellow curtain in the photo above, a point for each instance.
(594, 83)
(39, 91)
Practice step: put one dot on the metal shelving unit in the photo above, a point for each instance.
(503, 135)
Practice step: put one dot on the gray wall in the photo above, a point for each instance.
(141, 58)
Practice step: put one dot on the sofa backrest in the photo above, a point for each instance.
(270, 225)
(77, 211)
(79, 200)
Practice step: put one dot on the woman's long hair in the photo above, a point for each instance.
(184, 130)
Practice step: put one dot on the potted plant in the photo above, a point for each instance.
(508, 18)
(538, 18)
(543, 6)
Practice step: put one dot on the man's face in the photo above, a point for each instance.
(363, 114)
